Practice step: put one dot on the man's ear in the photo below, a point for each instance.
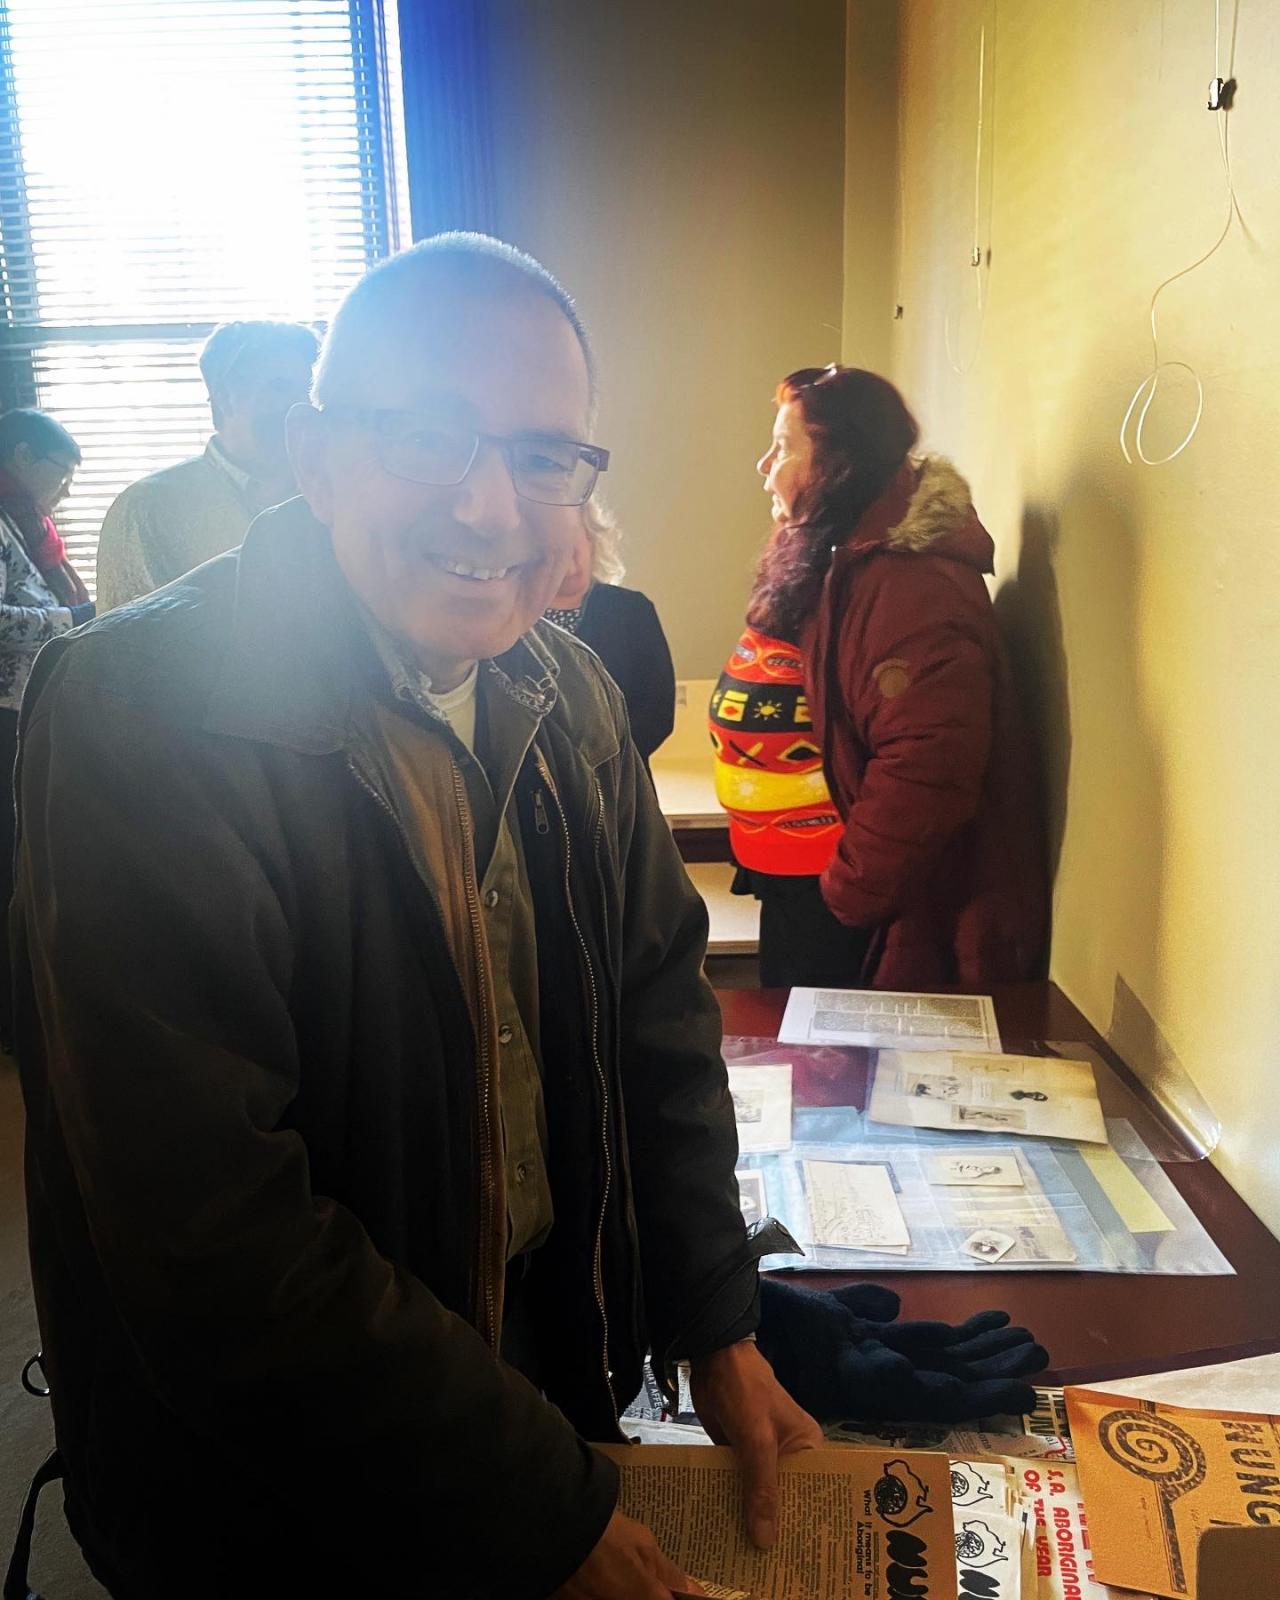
(308, 442)
(23, 456)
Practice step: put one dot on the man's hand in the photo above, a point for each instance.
(626, 1565)
(740, 1402)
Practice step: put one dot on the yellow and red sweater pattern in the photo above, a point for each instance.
(768, 765)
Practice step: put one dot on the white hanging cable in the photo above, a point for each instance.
(900, 157)
(978, 259)
(1144, 395)
(977, 148)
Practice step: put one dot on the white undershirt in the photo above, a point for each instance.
(458, 707)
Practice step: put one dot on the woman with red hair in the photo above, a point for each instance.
(876, 569)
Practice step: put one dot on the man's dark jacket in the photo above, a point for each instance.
(256, 1111)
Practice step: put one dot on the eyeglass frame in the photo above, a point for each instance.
(594, 455)
(69, 468)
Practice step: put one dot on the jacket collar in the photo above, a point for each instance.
(926, 507)
(218, 458)
(299, 655)
(526, 673)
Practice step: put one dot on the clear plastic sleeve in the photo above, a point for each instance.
(1084, 1208)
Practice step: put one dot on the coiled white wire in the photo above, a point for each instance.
(1144, 395)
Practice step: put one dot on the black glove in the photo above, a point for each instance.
(84, 613)
(841, 1355)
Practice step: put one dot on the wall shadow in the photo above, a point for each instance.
(1076, 602)
(1030, 619)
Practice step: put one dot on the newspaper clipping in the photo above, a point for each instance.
(852, 1524)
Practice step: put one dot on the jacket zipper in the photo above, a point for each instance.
(597, 1276)
(486, 1308)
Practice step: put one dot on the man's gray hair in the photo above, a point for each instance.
(233, 350)
(472, 264)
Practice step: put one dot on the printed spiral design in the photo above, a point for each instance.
(1155, 1449)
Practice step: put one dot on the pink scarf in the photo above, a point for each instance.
(51, 551)
(43, 541)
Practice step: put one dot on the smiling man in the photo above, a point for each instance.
(377, 1122)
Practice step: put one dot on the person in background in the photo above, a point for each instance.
(783, 826)
(161, 527)
(876, 568)
(41, 596)
(621, 626)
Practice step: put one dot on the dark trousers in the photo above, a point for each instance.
(8, 828)
(800, 941)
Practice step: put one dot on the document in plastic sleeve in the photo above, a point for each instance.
(761, 1097)
(852, 1206)
(962, 1092)
(882, 1020)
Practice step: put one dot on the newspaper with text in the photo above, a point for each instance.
(852, 1524)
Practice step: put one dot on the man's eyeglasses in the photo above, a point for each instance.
(66, 468)
(544, 468)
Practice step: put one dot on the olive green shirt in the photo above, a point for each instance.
(419, 764)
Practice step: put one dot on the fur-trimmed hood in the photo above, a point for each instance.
(927, 508)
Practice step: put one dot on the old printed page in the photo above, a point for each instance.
(964, 1092)
(883, 1020)
(762, 1106)
(1156, 1476)
(846, 1517)
(853, 1207)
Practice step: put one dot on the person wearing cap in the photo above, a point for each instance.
(170, 522)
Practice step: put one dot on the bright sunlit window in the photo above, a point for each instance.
(166, 165)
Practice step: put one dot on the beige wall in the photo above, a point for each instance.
(1149, 600)
(679, 163)
(871, 187)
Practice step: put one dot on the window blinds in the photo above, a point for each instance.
(166, 165)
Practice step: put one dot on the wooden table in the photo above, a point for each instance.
(1094, 1325)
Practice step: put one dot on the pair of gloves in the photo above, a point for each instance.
(841, 1354)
